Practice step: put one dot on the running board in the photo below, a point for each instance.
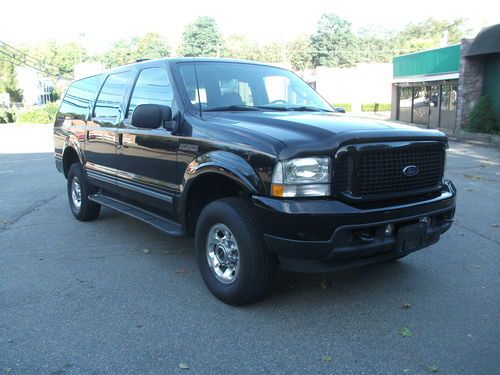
(165, 225)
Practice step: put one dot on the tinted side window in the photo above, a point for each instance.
(76, 102)
(109, 101)
(152, 87)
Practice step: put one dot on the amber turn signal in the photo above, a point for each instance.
(277, 190)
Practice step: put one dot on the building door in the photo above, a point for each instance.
(421, 105)
(405, 102)
(448, 106)
(434, 107)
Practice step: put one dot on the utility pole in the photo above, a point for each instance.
(81, 35)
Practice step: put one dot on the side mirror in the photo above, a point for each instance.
(151, 116)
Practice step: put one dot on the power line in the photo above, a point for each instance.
(28, 57)
(33, 67)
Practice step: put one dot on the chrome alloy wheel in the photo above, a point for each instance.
(222, 253)
(76, 193)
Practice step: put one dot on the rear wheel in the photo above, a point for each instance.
(78, 191)
(233, 260)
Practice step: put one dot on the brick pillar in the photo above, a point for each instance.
(470, 83)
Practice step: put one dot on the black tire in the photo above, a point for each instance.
(257, 265)
(87, 210)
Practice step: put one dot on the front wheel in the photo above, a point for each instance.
(78, 194)
(233, 260)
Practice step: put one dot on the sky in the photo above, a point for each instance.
(104, 21)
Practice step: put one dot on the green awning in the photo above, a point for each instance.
(430, 62)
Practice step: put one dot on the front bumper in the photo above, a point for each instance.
(324, 235)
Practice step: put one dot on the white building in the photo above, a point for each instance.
(363, 84)
(36, 89)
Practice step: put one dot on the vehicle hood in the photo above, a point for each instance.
(320, 132)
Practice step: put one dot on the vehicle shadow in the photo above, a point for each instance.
(344, 286)
(291, 289)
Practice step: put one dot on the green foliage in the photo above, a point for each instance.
(482, 118)
(375, 45)
(201, 38)
(427, 34)
(237, 46)
(346, 106)
(274, 52)
(405, 332)
(51, 109)
(300, 53)
(8, 82)
(120, 53)
(149, 46)
(152, 46)
(374, 107)
(39, 115)
(57, 58)
(7, 115)
(334, 43)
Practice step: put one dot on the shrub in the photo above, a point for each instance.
(7, 115)
(51, 109)
(40, 115)
(3, 116)
(482, 118)
(34, 116)
(346, 106)
(380, 107)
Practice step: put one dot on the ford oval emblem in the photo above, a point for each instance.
(410, 170)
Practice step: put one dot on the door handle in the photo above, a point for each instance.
(119, 145)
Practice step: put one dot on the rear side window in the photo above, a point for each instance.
(152, 87)
(109, 101)
(77, 101)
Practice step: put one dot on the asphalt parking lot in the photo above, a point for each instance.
(116, 296)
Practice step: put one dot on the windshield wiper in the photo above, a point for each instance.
(308, 109)
(232, 108)
(303, 108)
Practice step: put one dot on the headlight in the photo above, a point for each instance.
(302, 177)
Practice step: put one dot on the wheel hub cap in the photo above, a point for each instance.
(76, 193)
(222, 253)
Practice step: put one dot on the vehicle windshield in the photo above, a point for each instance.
(229, 86)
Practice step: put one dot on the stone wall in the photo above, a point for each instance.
(470, 83)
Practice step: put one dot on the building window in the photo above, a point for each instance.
(448, 106)
(421, 105)
(405, 103)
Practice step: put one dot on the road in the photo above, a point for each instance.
(116, 296)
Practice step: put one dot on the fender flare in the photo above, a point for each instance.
(72, 143)
(222, 163)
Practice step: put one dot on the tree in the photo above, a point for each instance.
(8, 82)
(274, 52)
(152, 46)
(56, 58)
(300, 53)
(427, 34)
(237, 46)
(375, 44)
(201, 38)
(149, 46)
(121, 52)
(334, 42)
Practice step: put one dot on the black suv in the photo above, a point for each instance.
(255, 164)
